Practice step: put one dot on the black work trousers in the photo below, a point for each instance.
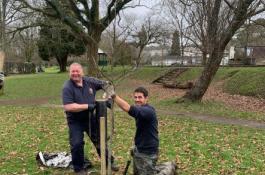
(77, 128)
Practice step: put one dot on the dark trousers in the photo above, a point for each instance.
(144, 164)
(77, 128)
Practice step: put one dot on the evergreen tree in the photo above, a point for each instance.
(57, 42)
(175, 47)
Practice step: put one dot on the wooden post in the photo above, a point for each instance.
(2, 60)
(103, 145)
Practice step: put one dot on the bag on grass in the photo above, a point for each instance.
(59, 160)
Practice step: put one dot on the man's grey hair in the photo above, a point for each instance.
(76, 64)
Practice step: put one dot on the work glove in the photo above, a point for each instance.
(109, 103)
(91, 107)
(109, 89)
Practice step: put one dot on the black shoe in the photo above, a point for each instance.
(114, 167)
(87, 164)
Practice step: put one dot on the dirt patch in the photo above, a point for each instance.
(239, 102)
(215, 93)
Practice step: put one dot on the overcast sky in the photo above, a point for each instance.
(141, 11)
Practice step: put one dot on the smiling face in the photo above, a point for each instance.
(140, 99)
(76, 73)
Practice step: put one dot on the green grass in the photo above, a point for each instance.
(243, 81)
(189, 75)
(149, 73)
(34, 86)
(50, 84)
(205, 148)
(198, 147)
(223, 73)
(247, 81)
(209, 108)
(53, 69)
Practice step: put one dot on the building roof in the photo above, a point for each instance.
(100, 51)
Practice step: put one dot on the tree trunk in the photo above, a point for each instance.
(63, 64)
(92, 54)
(209, 71)
(218, 37)
(138, 60)
(62, 61)
(204, 58)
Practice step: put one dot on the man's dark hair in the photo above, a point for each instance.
(141, 90)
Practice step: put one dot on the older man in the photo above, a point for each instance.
(78, 97)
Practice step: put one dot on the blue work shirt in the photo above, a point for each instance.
(82, 95)
(146, 137)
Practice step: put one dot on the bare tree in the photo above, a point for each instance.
(149, 33)
(3, 23)
(174, 15)
(7, 15)
(85, 20)
(214, 22)
(116, 36)
(11, 19)
(251, 33)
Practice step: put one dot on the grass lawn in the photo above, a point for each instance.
(34, 85)
(248, 81)
(209, 108)
(197, 147)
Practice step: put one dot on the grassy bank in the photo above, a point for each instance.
(247, 81)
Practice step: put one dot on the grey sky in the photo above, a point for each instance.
(141, 11)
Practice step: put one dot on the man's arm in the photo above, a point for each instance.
(75, 107)
(124, 105)
(68, 101)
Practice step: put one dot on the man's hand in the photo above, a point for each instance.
(109, 89)
(91, 107)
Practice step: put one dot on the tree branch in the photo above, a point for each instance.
(66, 19)
(20, 29)
(229, 5)
(85, 4)
(37, 9)
(116, 8)
(94, 15)
(77, 12)
(240, 15)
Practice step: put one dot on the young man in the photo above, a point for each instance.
(78, 97)
(145, 153)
